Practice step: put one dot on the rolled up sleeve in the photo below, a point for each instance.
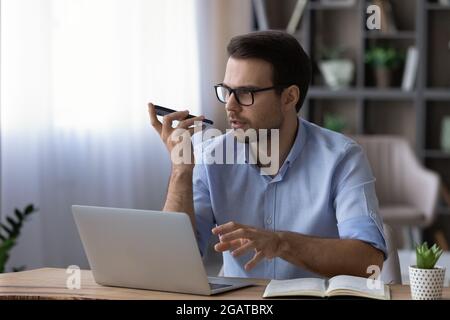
(355, 200)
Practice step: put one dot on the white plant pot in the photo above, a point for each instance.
(338, 74)
(426, 284)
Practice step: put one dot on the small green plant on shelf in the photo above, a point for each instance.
(426, 258)
(384, 57)
(334, 122)
(384, 60)
(10, 232)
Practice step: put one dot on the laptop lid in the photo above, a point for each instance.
(141, 249)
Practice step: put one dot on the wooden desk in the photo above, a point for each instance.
(50, 283)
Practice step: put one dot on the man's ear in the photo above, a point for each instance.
(290, 97)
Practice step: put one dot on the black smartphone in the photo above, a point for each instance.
(161, 111)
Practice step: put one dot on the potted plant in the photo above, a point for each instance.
(425, 278)
(334, 122)
(384, 62)
(337, 71)
(10, 231)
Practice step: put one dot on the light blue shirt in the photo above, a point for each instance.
(325, 188)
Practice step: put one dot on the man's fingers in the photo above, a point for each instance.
(153, 119)
(171, 117)
(178, 115)
(225, 246)
(254, 261)
(189, 122)
(242, 249)
(226, 228)
(237, 234)
(192, 129)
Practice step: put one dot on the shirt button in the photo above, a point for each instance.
(269, 221)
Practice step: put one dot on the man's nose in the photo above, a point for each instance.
(232, 104)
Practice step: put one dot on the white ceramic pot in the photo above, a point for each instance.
(338, 74)
(426, 284)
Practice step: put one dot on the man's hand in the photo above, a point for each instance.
(239, 239)
(172, 136)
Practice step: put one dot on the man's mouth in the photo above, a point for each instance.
(235, 124)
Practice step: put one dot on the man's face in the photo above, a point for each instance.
(265, 112)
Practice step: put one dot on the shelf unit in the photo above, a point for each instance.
(416, 115)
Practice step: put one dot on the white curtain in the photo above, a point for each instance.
(218, 21)
(76, 76)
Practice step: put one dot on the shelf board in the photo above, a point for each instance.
(437, 94)
(366, 93)
(402, 35)
(325, 93)
(388, 94)
(436, 154)
(323, 6)
(436, 6)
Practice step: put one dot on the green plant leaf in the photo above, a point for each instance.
(18, 214)
(30, 209)
(426, 258)
(5, 247)
(8, 230)
(334, 122)
(14, 227)
(14, 224)
(384, 57)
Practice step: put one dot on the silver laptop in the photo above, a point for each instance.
(146, 250)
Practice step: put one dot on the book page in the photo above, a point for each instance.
(355, 286)
(301, 286)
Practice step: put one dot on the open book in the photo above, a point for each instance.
(336, 286)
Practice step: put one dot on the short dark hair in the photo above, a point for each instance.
(291, 65)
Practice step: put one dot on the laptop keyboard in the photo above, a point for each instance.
(214, 286)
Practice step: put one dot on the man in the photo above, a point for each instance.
(317, 215)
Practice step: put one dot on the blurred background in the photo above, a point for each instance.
(76, 77)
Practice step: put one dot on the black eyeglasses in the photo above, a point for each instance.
(243, 96)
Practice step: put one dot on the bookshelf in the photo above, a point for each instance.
(417, 114)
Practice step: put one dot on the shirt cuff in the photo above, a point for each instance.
(365, 229)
